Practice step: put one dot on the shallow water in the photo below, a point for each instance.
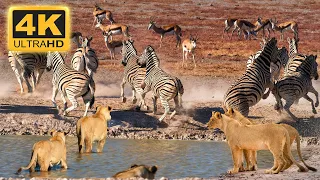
(175, 159)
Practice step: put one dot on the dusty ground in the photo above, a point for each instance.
(220, 62)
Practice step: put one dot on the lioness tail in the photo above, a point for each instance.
(32, 161)
(300, 156)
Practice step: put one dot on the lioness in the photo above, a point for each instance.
(137, 171)
(255, 137)
(48, 153)
(251, 156)
(93, 128)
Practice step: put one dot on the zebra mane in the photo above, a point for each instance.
(306, 64)
(151, 54)
(129, 45)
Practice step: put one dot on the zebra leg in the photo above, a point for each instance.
(74, 102)
(155, 108)
(312, 104)
(53, 99)
(266, 95)
(315, 92)
(20, 79)
(34, 80)
(134, 99)
(26, 78)
(287, 108)
(123, 99)
(63, 97)
(86, 99)
(40, 72)
(166, 106)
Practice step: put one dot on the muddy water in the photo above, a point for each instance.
(175, 159)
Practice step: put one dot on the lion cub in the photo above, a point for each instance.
(251, 156)
(93, 128)
(48, 153)
(255, 137)
(137, 171)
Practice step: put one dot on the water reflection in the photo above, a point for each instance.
(175, 159)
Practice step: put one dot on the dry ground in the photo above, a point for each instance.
(220, 62)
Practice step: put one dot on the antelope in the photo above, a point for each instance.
(285, 26)
(113, 46)
(115, 29)
(245, 26)
(188, 46)
(265, 24)
(100, 14)
(229, 23)
(75, 37)
(172, 29)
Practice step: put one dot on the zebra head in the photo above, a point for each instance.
(128, 50)
(86, 42)
(283, 56)
(314, 68)
(272, 49)
(148, 57)
(53, 57)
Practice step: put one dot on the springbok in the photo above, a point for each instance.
(113, 46)
(188, 46)
(172, 29)
(100, 14)
(265, 24)
(229, 23)
(115, 29)
(245, 26)
(285, 26)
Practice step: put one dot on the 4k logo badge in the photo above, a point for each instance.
(38, 28)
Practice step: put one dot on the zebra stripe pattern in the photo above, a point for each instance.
(85, 58)
(296, 84)
(162, 85)
(248, 90)
(70, 83)
(293, 46)
(133, 74)
(27, 65)
(295, 58)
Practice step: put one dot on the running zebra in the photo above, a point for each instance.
(297, 83)
(162, 85)
(248, 90)
(85, 59)
(27, 65)
(133, 74)
(70, 83)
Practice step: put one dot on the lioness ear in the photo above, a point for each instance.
(218, 115)
(52, 131)
(231, 110)
(213, 112)
(133, 165)
(109, 108)
(98, 108)
(153, 169)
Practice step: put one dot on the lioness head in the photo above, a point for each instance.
(57, 134)
(104, 111)
(215, 121)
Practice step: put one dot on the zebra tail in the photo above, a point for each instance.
(92, 90)
(180, 91)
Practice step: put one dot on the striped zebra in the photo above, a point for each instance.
(293, 46)
(85, 59)
(297, 83)
(27, 65)
(70, 83)
(275, 67)
(162, 84)
(133, 74)
(248, 90)
(295, 58)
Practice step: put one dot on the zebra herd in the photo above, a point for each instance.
(143, 73)
(263, 69)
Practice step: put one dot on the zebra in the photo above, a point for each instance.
(162, 84)
(85, 59)
(133, 74)
(70, 83)
(27, 65)
(293, 46)
(248, 89)
(295, 58)
(296, 84)
(275, 67)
